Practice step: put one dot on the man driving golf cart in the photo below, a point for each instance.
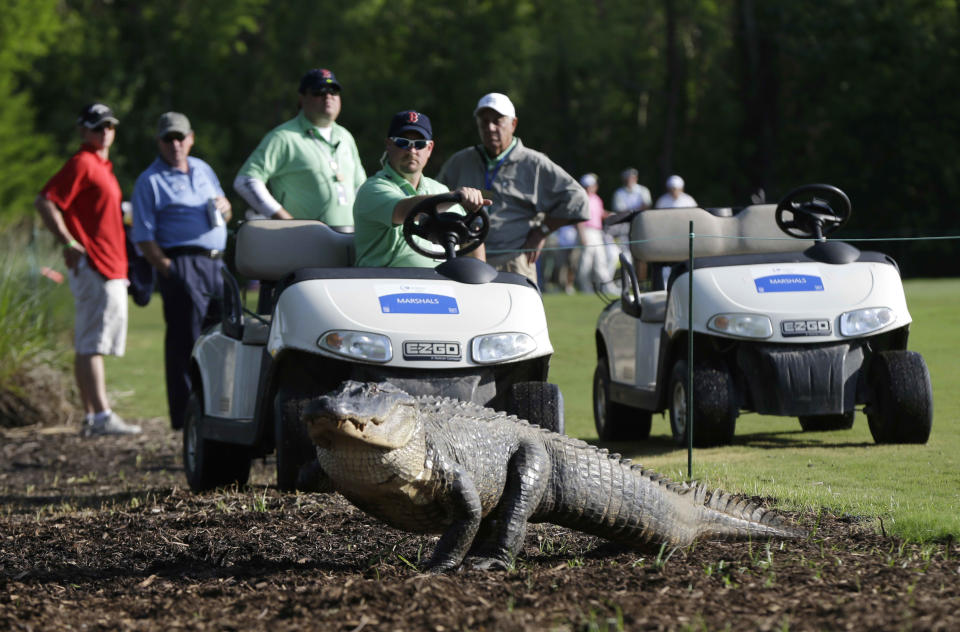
(385, 199)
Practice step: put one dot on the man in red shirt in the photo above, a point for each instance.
(80, 205)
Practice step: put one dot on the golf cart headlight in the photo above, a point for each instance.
(742, 325)
(864, 321)
(357, 345)
(500, 347)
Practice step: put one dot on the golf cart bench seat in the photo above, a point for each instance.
(270, 249)
(662, 235)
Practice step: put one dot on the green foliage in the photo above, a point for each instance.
(33, 320)
(26, 31)
(735, 96)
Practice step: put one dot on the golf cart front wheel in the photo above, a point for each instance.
(715, 406)
(295, 448)
(210, 464)
(540, 403)
(616, 422)
(901, 410)
(822, 423)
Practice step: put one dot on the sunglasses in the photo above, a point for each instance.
(319, 92)
(406, 143)
(103, 126)
(169, 138)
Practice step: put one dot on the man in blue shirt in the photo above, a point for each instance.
(179, 223)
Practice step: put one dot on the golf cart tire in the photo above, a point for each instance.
(823, 423)
(294, 446)
(902, 406)
(210, 464)
(540, 403)
(614, 421)
(714, 400)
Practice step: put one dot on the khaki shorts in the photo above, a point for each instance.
(100, 327)
(515, 263)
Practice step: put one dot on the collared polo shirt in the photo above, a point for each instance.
(89, 197)
(302, 170)
(380, 243)
(527, 183)
(170, 206)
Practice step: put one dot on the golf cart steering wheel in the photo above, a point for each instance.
(458, 234)
(814, 210)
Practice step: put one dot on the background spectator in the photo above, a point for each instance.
(80, 205)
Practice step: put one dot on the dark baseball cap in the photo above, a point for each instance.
(410, 121)
(318, 78)
(96, 114)
(173, 122)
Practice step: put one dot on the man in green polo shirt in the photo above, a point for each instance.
(384, 200)
(308, 167)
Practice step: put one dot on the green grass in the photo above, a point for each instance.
(136, 383)
(914, 490)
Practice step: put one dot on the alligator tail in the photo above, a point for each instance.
(730, 517)
(600, 493)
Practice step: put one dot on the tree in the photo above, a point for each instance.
(26, 30)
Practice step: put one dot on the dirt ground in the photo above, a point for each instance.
(102, 534)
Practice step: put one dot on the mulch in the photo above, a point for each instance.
(103, 534)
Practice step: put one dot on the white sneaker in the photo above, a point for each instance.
(112, 425)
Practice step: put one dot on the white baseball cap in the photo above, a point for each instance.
(674, 182)
(497, 102)
(588, 180)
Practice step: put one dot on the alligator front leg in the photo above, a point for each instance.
(467, 512)
(527, 478)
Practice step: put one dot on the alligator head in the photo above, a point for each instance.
(377, 414)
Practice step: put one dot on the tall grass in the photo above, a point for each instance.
(34, 310)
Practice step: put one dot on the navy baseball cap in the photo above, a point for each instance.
(96, 114)
(410, 121)
(318, 78)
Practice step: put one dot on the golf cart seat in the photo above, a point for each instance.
(662, 235)
(270, 249)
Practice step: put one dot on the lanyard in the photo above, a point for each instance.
(491, 172)
(325, 150)
(332, 161)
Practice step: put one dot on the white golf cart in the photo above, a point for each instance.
(785, 323)
(460, 330)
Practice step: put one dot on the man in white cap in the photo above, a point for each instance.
(675, 197)
(532, 196)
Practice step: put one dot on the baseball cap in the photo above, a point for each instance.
(498, 103)
(588, 179)
(173, 122)
(318, 78)
(96, 114)
(629, 171)
(410, 121)
(674, 182)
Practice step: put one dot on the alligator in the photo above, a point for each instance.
(477, 476)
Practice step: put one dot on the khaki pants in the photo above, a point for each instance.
(510, 262)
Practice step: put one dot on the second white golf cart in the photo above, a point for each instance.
(784, 323)
(461, 330)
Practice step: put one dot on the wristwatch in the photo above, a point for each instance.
(544, 229)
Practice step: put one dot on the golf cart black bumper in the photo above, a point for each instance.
(793, 380)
